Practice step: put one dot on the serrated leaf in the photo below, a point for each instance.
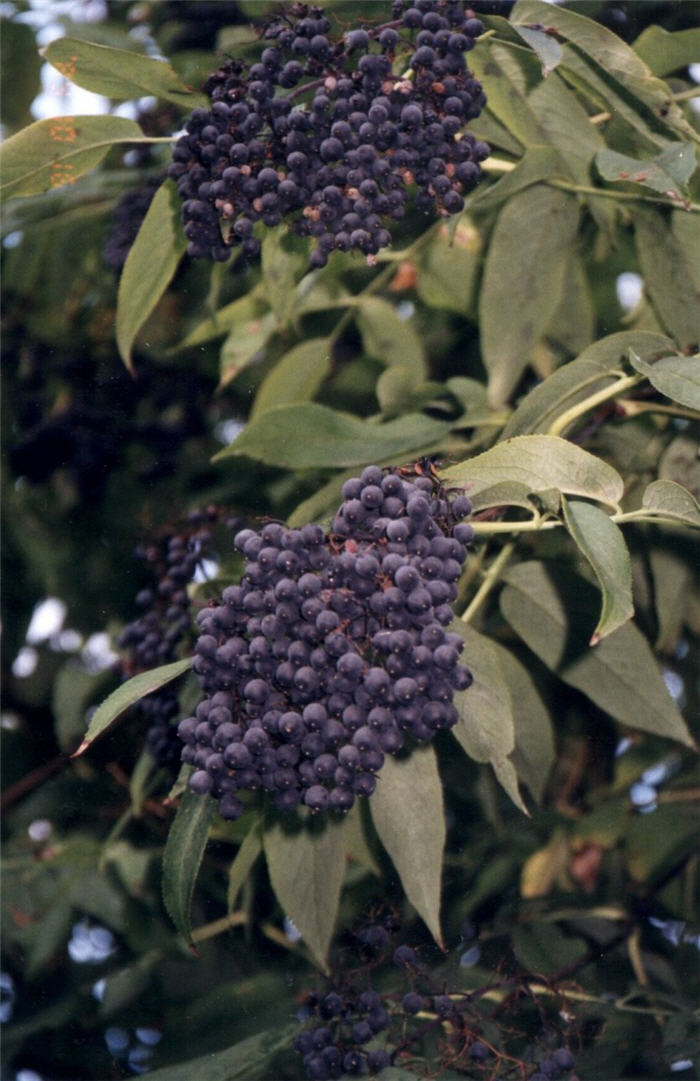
(135, 688)
(540, 463)
(150, 265)
(54, 152)
(308, 435)
(523, 281)
(668, 274)
(547, 48)
(668, 172)
(242, 864)
(244, 344)
(664, 52)
(601, 542)
(296, 377)
(672, 500)
(390, 339)
(118, 73)
(183, 855)
(590, 372)
(408, 814)
(554, 613)
(248, 1060)
(533, 755)
(307, 868)
(677, 377)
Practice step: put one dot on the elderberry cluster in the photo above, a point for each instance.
(341, 1027)
(127, 218)
(332, 651)
(165, 627)
(383, 117)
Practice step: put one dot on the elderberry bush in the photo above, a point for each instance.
(382, 121)
(165, 627)
(332, 652)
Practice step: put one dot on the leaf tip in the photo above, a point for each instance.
(595, 638)
(81, 749)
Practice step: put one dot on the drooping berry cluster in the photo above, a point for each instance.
(127, 218)
(165, 629)
(385, 116)
(332, 652)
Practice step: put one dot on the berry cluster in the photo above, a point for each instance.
(332, 651)
(342, 1025)
(384, 115)
(127, 218)
(165, 627)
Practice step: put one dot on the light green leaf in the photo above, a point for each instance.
(664, 52)
(356, 844)
(523, 281)
(408, 814)
(507, 777)
(601, 542)
(399, 391)
(540, 462)
(390, 339)
(677, 377)
(296, 377)
(248, 1060)
(51, 153)
(309, 436)
(242, 864)
(501, 72)
(668, 173)
(554, 613)
(573, 324)
(507, 493)
(538, 163)
(672, 501)
(183, 855)
(534, 754)
(447, 272)
(284, 261)
(149, 267)
(306, 869)
(135, 688)
(236, 314)
(243, 345)
(547, 48)
(591, 372)
(119, 74)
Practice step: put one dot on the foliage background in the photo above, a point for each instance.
(599, 885)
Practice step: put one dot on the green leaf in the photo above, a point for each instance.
(74, 689)
(49, 935)
(20, 66)
(51, 153)
(296, 377)
(183, 855)
(500, 71)
(307, 436)
(591, 372)
(307, 868)
(447, 272)
(245, 342)
(538, 163)
(554, 612)
(356, 844)
(523, 280)
(544, 948)
(284, 260)
(135, 688)
(150, 266)
(573, 325)
(236, 314)
(665, 52)
(123, 987)
(408, 814)
(668, 173)
(673, 578)
(546, 47)
(677, 377)
(242, 864)
(248, 1060)
(680, 463)
(672, 501)
(390, 339)
(119, 74)
(540, 463)
(533, 755)
(601, 542)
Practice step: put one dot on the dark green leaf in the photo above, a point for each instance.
(119, 74)
(135, 688)
(234, 315)
(122, 987)
(296, 377)
(20, 65)
(523, 280)
(150, 266)
(243, 863)
(655, 843)
(591, 372)
(542, 947)
(74, 690)
(672, 501)
(51, 153)
(49, 934)
(248, 1060)
(547, 48)
(389, 338)
(665, 52)
(668, 173)
(676, 377)
(182, 857)
(554, 612)
(245, 343)
(601, 542)
(674, 579)
(540, 462)
(307, 436)
(407, 811)
(307, 868)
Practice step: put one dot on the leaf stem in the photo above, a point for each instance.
(217, 927)
(632, 408)
(627, 196)
(491, 579)
(570, 415)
